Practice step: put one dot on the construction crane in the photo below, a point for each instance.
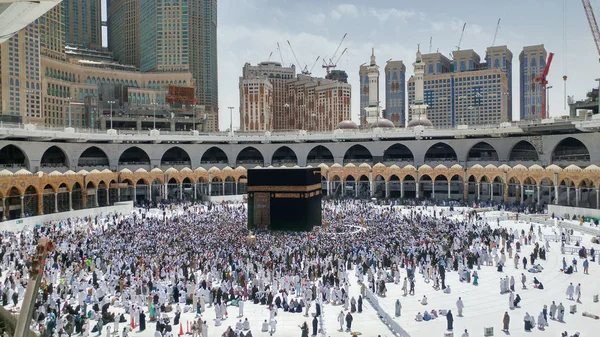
(542, 79)
(430, 42)
(589, 12)
(496, 33)
(304, 70)
(331, 65)
(314, 64)
(462, 34)
(270, 57)
(280, 55)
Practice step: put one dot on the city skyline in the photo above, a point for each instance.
(316, 29)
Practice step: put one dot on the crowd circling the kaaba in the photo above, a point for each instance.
(126, 271)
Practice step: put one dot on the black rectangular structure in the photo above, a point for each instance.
(284, 199)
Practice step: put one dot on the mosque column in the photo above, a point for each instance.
(477, 192)
(150, 192)
(556, 188)
(96, 197)
(328, 185)
(597, 199)
(568, 196)
(371, 188)
(356, 189)
(521, 190)
(196, 193)
(119, 194)
(505, 192)
(71, 201)
(22, 206)
(492, 191)
(550, 195)
(539, 201)
(108, 195)
(449, 189)
(387, 189)
(180, 191)
(209, 188)
(417, 189)
(433, 189)
(55, 202)
(40, 200)
(223, 185)
(577, 196)
(134, 197)
(236, 188)
(401, 189)
(3, 210)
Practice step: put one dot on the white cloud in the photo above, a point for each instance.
(344, 10)
(384, 14)
(317, 18)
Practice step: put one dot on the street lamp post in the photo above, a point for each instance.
(194, 116)
(598, 98)
(230, 119)
(111, 113)
(548, 101)
(154, 104)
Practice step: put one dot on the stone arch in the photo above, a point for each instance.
(440, 152)
(358, 154)
(214, 155)
(93, 156)
(570, 150)
(398, 153)
(176, 156)
(54, 156)
(319, 154)
(523, 151)
(134, 156)
(284, 156)
(250, 156)
(482, 152)
(12, 156)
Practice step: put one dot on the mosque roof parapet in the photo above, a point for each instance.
(83, 172)
(55, 173)
(553, 168)
(141, 170)
(22, 172)
(535, 167)
(424, 167)
(5, 172)
(476, 167)
(410, 167)
(364, 165)
(490, 167)
(200, 169)
(106, 171)
(572, 168)
(592, 168)
(188, 170)
(171, 170)
(213, 169)
(456, 167)
(156, 170)
(441, 167)
(94, 171)
(504, 167)
(125, 170)
(519, 167)
(69, 173)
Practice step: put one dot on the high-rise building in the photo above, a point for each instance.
(278, 77)
(463, 91)
(395, 92)
(203, 54)
(318, 104)
(52, 33)
(83, 22)
(123, 20)
(164, 35)
(272, 98)
(532, 62)
(363, 73)
(256, 104)
(20, 91)
(500, 57)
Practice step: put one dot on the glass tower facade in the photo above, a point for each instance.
(83, 22)
(532, 62)
(395, 92)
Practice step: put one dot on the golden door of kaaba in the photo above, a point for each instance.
(262, 210)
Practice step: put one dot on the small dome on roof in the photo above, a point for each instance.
(456, 167)
(504, 167)
(186, 170)
(379, 165)
(568, 168)
(592, 168)
(106, 171)
(83, 172)
(535, 167)
(476, 167)
(5, 172)
(441, 167)
(335, 165)
(94, 171)
(347, 125)
(409, 167)
(69, 173)
(383, 123)
(395, 167)
(490, 167)
(350, 165)
(55, 173)
(365, 165)
(240, 168)
(519, 167)
(554, 168)
(424, 167)
(213, 169)
(324, 166)
(156, 170)
(227, 168)
(141, 170)
(200, 169)
(125, 170)
(419, 120)
(171, 170)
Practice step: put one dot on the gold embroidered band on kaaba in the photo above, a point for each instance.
(284, 188)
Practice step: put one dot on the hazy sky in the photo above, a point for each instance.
(248, 31)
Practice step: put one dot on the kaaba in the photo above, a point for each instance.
(284, 199)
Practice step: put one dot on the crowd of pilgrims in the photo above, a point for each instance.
(192, 257)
